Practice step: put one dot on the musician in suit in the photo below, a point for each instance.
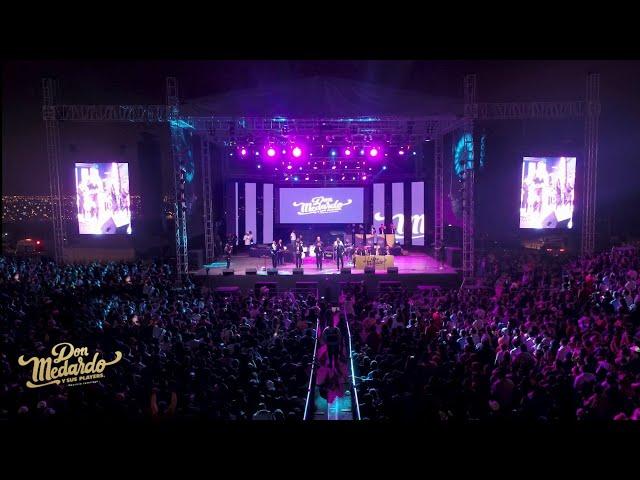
(298, 251)
(382, 229)
(274, 254)
(319, 251)
(281, 249)
(338, 248)
(228, 249)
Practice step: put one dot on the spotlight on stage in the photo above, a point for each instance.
(401, 152)
(374, 152)
(296, 152)
(347, 152)
(243, 152)
(271, 152)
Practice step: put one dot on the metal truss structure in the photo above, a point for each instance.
(590, 168)
(52, 130)
(180, 210)
(468, 180)
(207, 198)
(395, 130)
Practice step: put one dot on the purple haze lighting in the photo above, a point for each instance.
(271, 152)
(259, 166)
(373, 152)
(347, 152)
(364, 177)
(401, 152)
(289, 167)
(384, 167)
(243, 152)
(296, 152)
(333, 167)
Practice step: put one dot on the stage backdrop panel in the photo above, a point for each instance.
(397, 206)
(321, 205)
(417, 213)
(547, 192)
(267, 219)
(250, 210)
(378, 204)
(102, 198)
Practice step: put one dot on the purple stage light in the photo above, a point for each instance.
(333, 167)
(384, 167)
(271, 152)
(347, 152)
(260, 166)
(284, 151)
(401, 152)
(243, 152)
(289, 167)
(373, 152)
(364, 177)
(296, 152)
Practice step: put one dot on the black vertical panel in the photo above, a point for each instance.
(259, 212)
(241, 211)
(388, 206)
(407, 215)
(368, 204)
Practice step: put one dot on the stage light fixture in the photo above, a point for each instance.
(401, 152)
(260, 166)
(333, 167)
(295, 179)
(296, 152)
(243, 152)
(362, 152)
(332, 153)
(257, 154)
(284, 151)
(347, 152)
(271, 152)
(414, 153)
(364, 177)
(289, 167)
(306, 178)
(373, 152)
(384, 167)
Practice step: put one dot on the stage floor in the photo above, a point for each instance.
(414, 263)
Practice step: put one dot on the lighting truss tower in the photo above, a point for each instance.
(207, 196)
(54, 155)
(590, 163)
(468, 199)
(438, 241)
(180, 217)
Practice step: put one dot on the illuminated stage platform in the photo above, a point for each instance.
(414, 270)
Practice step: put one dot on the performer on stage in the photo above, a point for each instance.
(274, 254)
(374, 233)
(292, 236)
(338, 248)
(298, 252)
(228, 249)
(382, 229)
(319, 251)
(281, 250)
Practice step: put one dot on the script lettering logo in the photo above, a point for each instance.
(321, 205)
(66, 365)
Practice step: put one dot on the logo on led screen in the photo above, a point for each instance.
(321, 205)
(417, 224)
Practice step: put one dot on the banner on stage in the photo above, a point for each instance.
(377, 261)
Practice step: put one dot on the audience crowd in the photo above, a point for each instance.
(542, 338)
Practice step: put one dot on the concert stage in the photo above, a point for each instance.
(415, 269)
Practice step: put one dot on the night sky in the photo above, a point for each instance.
(24, 164)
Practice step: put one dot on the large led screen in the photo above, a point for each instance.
(547, 192)
(102, 198)
(321, 205)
